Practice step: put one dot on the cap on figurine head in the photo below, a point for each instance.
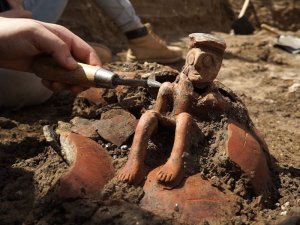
(200, 40)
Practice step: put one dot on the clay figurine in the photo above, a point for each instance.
(177, 105)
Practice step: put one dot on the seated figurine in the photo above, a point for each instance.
(177, 106)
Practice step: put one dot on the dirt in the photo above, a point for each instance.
(265, 78)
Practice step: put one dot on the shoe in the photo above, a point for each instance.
(151, 48)
(103, 52)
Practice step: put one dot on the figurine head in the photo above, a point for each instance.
(204, 58)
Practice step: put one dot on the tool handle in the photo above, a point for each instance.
(244, 8)
(270, 29)
(46, 68)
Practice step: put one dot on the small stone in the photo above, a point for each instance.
(285, 205)
(19, 194)
(124, 147)
(176, 208)
(283, 213)
(6, 123)
(185, 154)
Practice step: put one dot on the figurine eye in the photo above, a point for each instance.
(205, 60)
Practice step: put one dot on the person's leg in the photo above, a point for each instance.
(144, 45)
(45, 10)
(122, 13)
(18, 89)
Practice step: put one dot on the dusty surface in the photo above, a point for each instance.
(265, 78)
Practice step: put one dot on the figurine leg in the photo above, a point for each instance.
(134, 170)
(172, 172)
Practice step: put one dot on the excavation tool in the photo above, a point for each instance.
(242, 24)
(286, 42)
(85, 75)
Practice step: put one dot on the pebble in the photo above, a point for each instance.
(124, 147)
(285, 205)
(283, 213)
(176, 208)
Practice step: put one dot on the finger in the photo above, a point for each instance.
(79, 48)
(55, 86)
(16, 13)
(47, 42)
(77, 89)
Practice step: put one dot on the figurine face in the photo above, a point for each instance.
(203, 65)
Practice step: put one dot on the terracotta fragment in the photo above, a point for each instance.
(116, 126)
(193, 202)
(94, 95)
(243, 149)
(90, 167)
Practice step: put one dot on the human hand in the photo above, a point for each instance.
(23, 39)
(16, 13)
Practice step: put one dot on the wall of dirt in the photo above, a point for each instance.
(217, 15)
(186, 15)
(179, 17)
(283, 14)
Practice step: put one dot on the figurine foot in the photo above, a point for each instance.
(133, 172)
(171, 173)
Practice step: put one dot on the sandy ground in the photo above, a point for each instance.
(265, 78)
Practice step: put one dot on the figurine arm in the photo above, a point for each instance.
(164, 98)
(184, 94)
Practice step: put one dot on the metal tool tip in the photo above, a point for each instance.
(153, 83)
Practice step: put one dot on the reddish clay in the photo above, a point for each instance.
(94, 95)
(116, 126)
(91, 167)
(245, 151)
(85, 127)
(195, 201)
(175, 106)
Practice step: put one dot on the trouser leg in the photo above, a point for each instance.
(46, 10)
(18, 89)
(122, 13)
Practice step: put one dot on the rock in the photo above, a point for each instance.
(6, 123)
(116, 126)
(90, 167)
(85, 127)
(243, 149)
(193, 202)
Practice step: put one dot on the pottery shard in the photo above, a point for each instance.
(116, 126)
(193, 202)
(243, 149)
(94, 95)
(85, 127)
(90, 167)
